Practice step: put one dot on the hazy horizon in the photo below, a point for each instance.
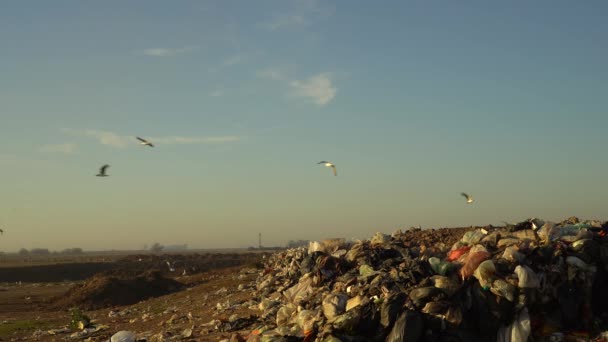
(415, 102)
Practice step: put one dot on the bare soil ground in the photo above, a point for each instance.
(143, 294)
(190, 299)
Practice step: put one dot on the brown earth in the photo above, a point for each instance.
(202, 293)
(131, 265)
(157, 303)
(105, 291)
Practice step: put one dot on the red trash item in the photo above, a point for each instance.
(472, 262)
(309, 335)
(457, 253)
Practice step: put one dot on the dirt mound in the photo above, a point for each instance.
(114, 290)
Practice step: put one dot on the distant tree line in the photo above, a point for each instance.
(46, 251)
(156, 247)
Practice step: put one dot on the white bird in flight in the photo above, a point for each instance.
(170, 266)
(329, 164)
(469, 198)
(102, 171)
(145, 142)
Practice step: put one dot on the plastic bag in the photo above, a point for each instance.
(512, 254)
(348, 321)
(508, 241)
(517, 331)
(314, 246)
(391, 308)
(379, 239)
(266, 304)
(485, 273)
(472, 262)
(408, 327)
(356, 251)
(366, 271)
(477, 248)
(457, 245)
(580, 264)
(526, 234)
(334, 305)
(436, 308)
(454, 315)
(457, 253)
(285, 314)
(440, 267)
(448, 285)
(123, 336)
(571, 232)
(503, 289)
(527, 277)
(332, 245)
(353, 302)
(472, 237)
(306, 320)
(422, 295)
(299, 291)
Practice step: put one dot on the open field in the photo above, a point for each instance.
(38, 297)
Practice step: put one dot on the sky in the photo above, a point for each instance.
(414, 101)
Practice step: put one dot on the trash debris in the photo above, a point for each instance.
(123, 336)
(530, 279)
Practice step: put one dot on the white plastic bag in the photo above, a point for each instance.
(512, 254)
(286, 314)
(299, 291)
(485, 273)
(315, 246)
(527, 277)
(517, 331)
(123, 336)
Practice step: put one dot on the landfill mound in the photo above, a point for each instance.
(534, 280)
(106, 290)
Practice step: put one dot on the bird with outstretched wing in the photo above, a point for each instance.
(145, 142)
(102, 171)
(468, 197)
(330, 164)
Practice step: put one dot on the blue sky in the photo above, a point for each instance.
(414, 101)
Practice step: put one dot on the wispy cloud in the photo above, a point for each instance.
(275, 74)
(196, 140)
(229, 61)
(318, 88)
(303, 13)
(233, 60)
(285, 20)
(67, 148)
(216, 93)
(108, 138)
(121, 141)
(168, 52)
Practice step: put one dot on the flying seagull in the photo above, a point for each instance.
(329, 164)
(469, 198)
(145, 142)
(102, 171)
(170, 266)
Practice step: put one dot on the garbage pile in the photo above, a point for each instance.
(539, 280)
